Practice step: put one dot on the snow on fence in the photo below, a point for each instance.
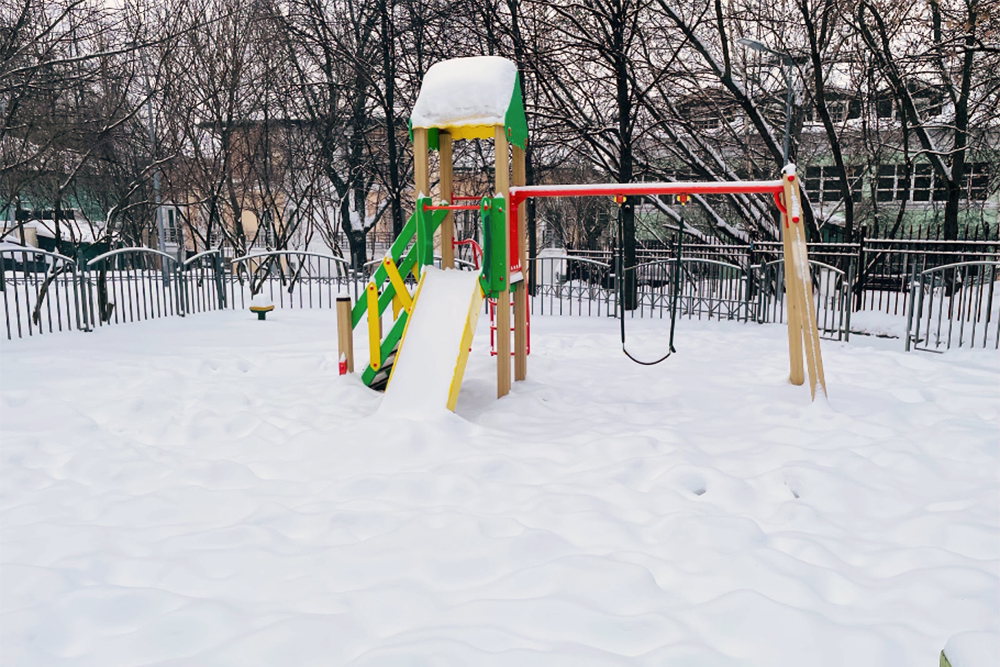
(934, 300)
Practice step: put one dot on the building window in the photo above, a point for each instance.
(702, 116)
(892, 183)
(928, 101)
(927, 186)
(840, 108)
(823, 183)
(924, 184)
(977, 176)
(171, 227)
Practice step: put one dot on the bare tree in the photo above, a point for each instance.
(946, 53)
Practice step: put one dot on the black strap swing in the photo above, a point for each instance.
(675, 274)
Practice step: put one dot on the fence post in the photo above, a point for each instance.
(345, 335)
(618, 277)
(675, 287)
(86, 298)
(220, 285)
(753, 275)
(850, 290)
(181, 286)
(913, 302)
(860, 275)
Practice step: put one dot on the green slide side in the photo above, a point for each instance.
(414, 244)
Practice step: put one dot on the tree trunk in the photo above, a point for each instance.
(389, 72)
(357, 240)
(357, 237)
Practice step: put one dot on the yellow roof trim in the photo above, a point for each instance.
(469, 131)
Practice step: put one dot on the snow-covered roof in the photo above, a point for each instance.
(7, 245)
(468, 97)
(71, 229)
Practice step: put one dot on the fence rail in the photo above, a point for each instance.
(943, 294)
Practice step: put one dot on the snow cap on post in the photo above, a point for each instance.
(468, 97)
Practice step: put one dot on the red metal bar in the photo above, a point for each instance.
(477, 251)
(453, 207)
(493, 328)
(781, 206)
(519, 193)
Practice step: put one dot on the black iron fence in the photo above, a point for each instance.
(955, 305)
(865, 288)
(937, 295)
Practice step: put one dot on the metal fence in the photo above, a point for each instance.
(955, 305)
(831, 295)
(41, 293)
(44, 292)
(291, 279)
(945, 294)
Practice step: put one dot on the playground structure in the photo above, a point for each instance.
(479, 98)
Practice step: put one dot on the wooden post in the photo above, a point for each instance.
(345, 332)
(795, 371)
(448, 224)
(421, 177)
(518, 177)
(501, 168)
(809, 332)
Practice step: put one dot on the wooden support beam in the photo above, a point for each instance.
(809, 332)
(501, 168)
(796, 373)
(345, 332)
(519, 178)
(421, 176)
(448, 224)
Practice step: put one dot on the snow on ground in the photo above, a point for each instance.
(207, 491)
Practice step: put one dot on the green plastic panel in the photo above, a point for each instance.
(493, 213)
(379, 276)
(395, 333)
(514, 120)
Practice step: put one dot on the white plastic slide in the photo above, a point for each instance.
(431, 359)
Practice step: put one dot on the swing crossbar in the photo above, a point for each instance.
(519, 194)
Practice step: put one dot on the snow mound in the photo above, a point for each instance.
(465, 92)
(973, 649)
(205, 491)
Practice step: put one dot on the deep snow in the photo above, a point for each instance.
(207, 491)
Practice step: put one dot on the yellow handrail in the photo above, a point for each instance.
(396, 280)
(374, 333)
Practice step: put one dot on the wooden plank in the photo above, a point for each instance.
(792, 299)
(519, 178)
(421, 175)
(345, 332)
(809, 332)
(502, 185)
(448, 224)
(807, 307)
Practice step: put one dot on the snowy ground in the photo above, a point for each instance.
(207, 491)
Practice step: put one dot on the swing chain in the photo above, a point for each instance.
(620, 270)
